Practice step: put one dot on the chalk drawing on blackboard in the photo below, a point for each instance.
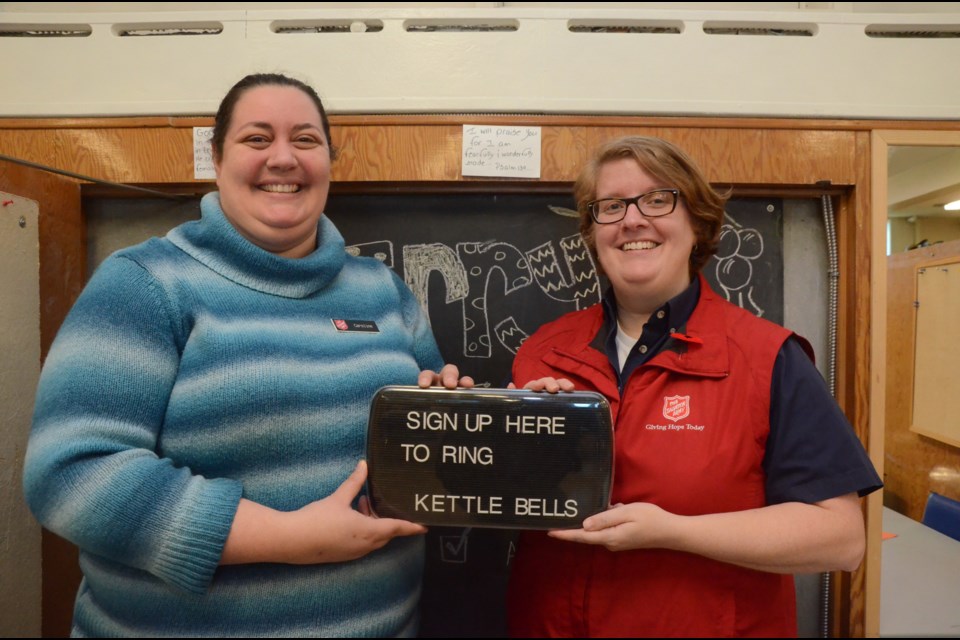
(577, 283)
(453, 549)
(509, 334)
(421, 259)
(381, 250)
(481, 260)
(564, 211)
(469, 273)
(737, 249)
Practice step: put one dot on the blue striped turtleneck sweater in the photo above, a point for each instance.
(199, 368)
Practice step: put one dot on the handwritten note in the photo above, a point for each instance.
(203, 154)
(501, 152)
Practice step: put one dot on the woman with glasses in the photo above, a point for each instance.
(734, 467)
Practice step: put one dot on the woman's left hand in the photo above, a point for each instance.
(448, 377)
(639, 525)
(789, 537)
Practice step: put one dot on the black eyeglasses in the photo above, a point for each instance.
(652, 204)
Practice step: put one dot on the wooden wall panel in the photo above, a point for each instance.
(727, 154)
(563, 153)
(805, 157)
(597, 136)
(914, 464)
(397, 154)
(428, 149)
(128, 155)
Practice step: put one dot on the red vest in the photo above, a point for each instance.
(690, 434)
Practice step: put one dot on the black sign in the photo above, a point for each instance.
(489, 457)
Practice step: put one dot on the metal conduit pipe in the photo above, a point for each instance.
(833, 281)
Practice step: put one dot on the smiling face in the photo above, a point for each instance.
(646, 259)
(274, 171)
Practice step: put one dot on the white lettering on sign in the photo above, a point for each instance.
(532, 425)
(419, 452)
(462, 454)
(544, 507)
(493, 505)
(439, 421)
(440, 503)
(481, 420)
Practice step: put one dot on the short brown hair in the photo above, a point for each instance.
(669, 164)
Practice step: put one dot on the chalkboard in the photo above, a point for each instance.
(490, 269)
(748, 266)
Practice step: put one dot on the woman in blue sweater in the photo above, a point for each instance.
(201, 416)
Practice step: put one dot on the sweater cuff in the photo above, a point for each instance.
(193, 552)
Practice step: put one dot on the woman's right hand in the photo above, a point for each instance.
(550, 385)
(328, 530)
(448, 377)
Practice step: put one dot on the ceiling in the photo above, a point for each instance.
(920, 180)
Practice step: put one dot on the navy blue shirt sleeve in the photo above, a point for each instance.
(812, 451)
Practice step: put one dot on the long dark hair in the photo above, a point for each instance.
(224, 115)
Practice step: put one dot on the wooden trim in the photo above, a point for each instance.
(693, 122)
(409, 120)
(880, 142)
(102, 123)
(105, 123)
(858, 365)
(878, 295)
(156, 151)
(927, 137)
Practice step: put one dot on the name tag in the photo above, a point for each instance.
(365, 326)
(489, 457)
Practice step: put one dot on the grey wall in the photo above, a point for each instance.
(805, 268)
(19, 373)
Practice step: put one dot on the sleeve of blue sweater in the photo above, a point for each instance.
(93, 473)
(414, 316)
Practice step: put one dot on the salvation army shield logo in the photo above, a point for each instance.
(676, 407)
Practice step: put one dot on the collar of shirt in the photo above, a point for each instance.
(669, 318)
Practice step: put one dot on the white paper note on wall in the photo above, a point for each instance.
(203, 154)
(500, 152)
